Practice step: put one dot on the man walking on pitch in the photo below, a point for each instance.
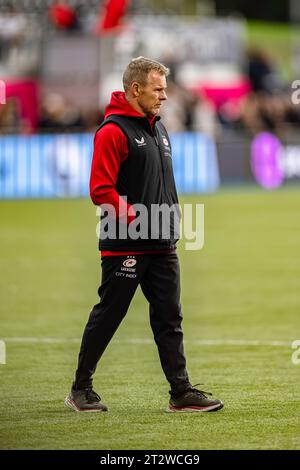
(132, 165)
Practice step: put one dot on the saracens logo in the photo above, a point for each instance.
(165, 141)
(129, 262)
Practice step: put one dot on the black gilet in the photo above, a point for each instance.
(145, 177)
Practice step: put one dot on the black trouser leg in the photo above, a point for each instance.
(161, 287)
(116, 292)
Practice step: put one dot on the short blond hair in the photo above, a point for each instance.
(138, 69)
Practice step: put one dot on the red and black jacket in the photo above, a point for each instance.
(139, 167)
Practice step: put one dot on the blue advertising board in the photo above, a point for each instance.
(58, 165)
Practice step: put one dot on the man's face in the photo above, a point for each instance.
(153, 93)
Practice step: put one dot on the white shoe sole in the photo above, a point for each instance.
(195, 409)
(71, 404)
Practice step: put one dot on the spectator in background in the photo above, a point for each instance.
(59, 115)
(268, 107)
(10, 122)
(13, 26)
(92, 118)
(262, 72)
(249, 116)
(63, 16)
(204, 117)
(264, 112)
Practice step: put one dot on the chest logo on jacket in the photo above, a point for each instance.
(140, 142)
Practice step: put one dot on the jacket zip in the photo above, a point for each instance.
(154, 134)
(162, 165)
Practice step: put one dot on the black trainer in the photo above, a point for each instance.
(85, 400)
(193, 400)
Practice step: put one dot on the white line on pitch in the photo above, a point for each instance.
(203, 342)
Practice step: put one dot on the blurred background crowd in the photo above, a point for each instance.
(245, 85)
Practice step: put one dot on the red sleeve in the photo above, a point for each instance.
(110, 150)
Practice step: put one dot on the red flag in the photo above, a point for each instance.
(111, 15)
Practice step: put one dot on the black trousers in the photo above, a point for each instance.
(159, 278)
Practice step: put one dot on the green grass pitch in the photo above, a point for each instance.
(241, 292)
